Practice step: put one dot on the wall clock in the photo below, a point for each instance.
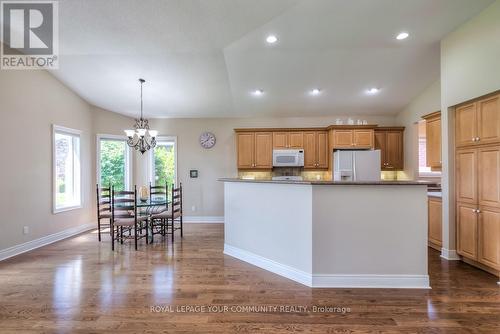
(207, 140)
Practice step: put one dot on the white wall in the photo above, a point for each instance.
(205, 192)
(425, 103)
(470, 68)
(30, 102)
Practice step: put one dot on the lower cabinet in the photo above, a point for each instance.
(435, 223)
(467, 218)
(489, 237)
(478, 234)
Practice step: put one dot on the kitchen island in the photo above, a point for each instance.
(330, 234)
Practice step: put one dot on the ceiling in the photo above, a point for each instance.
(203, 58)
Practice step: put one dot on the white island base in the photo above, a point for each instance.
(327, 234)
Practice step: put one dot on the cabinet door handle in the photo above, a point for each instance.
(478, 139)
(474, 138)
(478, 211)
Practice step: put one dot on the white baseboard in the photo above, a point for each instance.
(270, 265)
(449, 254)
(372, 281)
(43, 241)
(330, 281)
(203, 219)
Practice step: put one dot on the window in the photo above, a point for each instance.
(113, 162)
(423, 170)
(67, 172)
(164, 162)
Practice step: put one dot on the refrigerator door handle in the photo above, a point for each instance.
(354, 176)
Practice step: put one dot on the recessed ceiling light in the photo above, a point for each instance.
(271, 39)
(402, 35)
(315, 91)
(258, 92)
(372, 91)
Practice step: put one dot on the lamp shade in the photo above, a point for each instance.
(130, 133)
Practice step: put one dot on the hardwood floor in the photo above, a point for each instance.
(79, 286)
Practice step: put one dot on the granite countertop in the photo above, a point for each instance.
(400, 182)
(435, 194)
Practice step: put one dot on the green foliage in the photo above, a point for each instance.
(164, 164)
(113, 163)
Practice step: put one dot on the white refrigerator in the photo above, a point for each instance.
(360, 165)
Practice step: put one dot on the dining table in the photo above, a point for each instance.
(149, 207)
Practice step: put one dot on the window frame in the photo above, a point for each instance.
(128, 158)
(57, 129)
(151, 168)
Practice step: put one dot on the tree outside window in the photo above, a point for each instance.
(113, 163)
(164, 164)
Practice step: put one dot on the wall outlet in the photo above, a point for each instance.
(26, 229)
(193, 208)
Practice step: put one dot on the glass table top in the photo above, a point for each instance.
(158, 201)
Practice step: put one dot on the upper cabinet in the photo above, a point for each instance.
(433, 140)
(315, 149)
(488, 120)
(255, 150)
(352, 137)
(389, 140)
(478, 122)
(288, 139)
(255, 146)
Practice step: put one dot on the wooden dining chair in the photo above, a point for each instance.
(158, 223)
(173, 214)
(158, 191)
(176, 211)
(124, 215)
(103, 208)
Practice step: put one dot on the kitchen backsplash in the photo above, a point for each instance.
(307, 175)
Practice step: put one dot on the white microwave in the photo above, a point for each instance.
(288, 158)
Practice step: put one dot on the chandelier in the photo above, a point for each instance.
(141, 138)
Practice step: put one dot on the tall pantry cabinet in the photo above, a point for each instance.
(477, 162)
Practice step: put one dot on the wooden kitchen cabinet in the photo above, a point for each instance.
(246, 148)
(255, 150)
(363, 138)
(435, 222)
(477, 182)
(352, 138)
(280, 140)
(433, 140)
(466, 175)
(322, 152)
(478, 122)
(288, 140)
(343, 138)
(465, 125)
(467, 218)
(389, 140)
(315, 149)
(488, 120)
(296, 139)
(263, 150)
(489, 237)
(488, 176)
